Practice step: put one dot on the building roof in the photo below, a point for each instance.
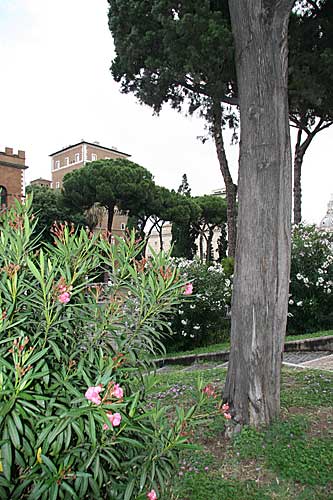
(39, 180)
(90, 144)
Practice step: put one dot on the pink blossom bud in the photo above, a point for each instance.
(152, 495)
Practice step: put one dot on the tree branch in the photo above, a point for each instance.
(326, 125)
(299, 124)
(196, 88)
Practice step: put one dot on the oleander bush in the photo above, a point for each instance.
(74, 422)
(311, 280)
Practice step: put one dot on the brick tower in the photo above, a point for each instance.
(12, 168)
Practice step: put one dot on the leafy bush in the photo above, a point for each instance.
(73, 417)
(311, 280)
(202, 319)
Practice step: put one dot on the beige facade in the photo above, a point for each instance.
(76, 156)
(155, 245)
(12, 167)
(154, 240)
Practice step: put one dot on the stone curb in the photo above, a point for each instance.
(317, 344)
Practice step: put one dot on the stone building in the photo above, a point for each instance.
(41, 182)
(12, 167)
(76, 156)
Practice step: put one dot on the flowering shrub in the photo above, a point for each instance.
(201, 319)
(311, 280)
(74, 422)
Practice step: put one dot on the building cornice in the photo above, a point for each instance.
(14, 165)
(98, 146)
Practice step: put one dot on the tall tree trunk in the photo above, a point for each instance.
(260, 295)
(209, 242)
(110, 217)
(160, 233)
(146, 235)
(201, 248)
(300, 149)
(230, 187)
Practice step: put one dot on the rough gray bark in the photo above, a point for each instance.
(230, 187)
(260, 296)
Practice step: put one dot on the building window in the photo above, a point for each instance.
(93, 157)
(67, 160)
(57, 164)
(57, 185)
(3, 197)
(123, 226)
(51, 185)
(77, 157)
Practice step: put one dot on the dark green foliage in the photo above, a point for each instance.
(183, 235)
(184, 189)
(311, 278)
(170, 51)
(111, 183)
(60, 334)
(48, 206)
(202, 318)
(311, 63)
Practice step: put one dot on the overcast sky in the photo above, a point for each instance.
(56, 89)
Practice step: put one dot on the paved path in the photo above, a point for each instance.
(323, 363)
(320, 360)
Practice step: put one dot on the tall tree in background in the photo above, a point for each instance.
(183, 238)
(310, 80)
(111, 183)
(182, 53)
(261, 283)
(184, 188)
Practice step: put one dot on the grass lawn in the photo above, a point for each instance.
(225, 346)
(293, 459)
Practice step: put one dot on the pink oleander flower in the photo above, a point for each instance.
(227, 415)
(114, 418)
(152, 495)
(225, 407)
(117, 391)
(92, 394)
(188, 289)
(64, 297)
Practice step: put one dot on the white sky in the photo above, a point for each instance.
(56, 89)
